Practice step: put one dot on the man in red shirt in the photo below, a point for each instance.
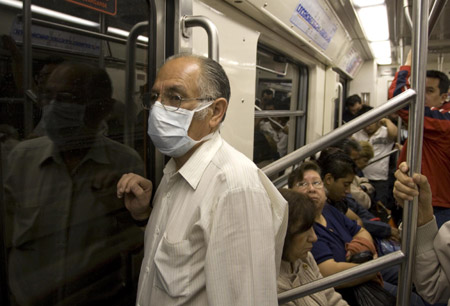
(436, 135)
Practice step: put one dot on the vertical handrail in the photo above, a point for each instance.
(406, 14)
(211, 31)
(130, 70)
(414, 149)
(27, 67)
(341, 102)
(436, 10)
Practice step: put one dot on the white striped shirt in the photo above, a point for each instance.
(216, 233)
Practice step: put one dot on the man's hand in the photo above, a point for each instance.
(137, 191)
(406, 188)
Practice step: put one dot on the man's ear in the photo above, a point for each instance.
(443, 97)
(219, 108)
(328, 179)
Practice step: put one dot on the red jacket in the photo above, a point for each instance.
(436, 142)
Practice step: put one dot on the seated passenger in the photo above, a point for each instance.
(338, 236)
(338, 171)
(432, 262)
(298, 266)
(360, 188)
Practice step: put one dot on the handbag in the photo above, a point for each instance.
(373, 294)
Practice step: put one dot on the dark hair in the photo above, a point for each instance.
(302, 213)
(347, 145)
(364, 109)
(267, 92)
(337, 163)
(352, 100)
(443, 80)
(298, 173)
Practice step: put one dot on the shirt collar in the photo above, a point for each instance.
(192, 171)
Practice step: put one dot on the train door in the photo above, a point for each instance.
(68, 132)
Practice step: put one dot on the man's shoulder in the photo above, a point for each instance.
(234, 165)
(35, 146)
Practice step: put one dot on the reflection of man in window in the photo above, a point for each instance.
(68, 235)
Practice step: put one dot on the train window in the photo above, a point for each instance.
(68, 239)
(280, 106)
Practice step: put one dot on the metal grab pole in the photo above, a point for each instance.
(345, 130)
(353, 273)
(341, 102)
(211, 30)
(434, 14)
(27, 68)
(415, 134)
(129, 81)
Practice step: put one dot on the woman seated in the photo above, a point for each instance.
(338, 237)
(298, 266)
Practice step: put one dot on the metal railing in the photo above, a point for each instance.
(415, 134)
(211, 31)
(130, 70)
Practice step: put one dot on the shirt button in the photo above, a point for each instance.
(147, 269)
(168, 195)
(157, 231)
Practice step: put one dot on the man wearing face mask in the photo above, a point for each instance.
(217, 227)
(70, 238)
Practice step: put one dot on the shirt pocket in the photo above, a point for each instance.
(172, 262)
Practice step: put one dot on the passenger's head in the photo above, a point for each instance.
(306, 180)
(190, 82)
(436, 88)
(350, 147)
(300, 234)
(338, 171)
(353, 104)
(365, 154)
(77, 98)
(373, 127)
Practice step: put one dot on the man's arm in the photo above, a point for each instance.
(391, 128)
(401, 79)
(240, 263)
(432, 262)
(137, 192)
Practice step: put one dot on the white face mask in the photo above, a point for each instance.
(169, 129)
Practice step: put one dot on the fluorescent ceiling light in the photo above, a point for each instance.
(364, 3)
(384, 61)
(374, 22)
(381, 49)
(50, 13)
(125, 33)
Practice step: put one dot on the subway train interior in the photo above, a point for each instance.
(67, 238)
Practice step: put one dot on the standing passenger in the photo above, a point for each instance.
(436, 139)
(217, 228)
(381, 135)
(70, 239)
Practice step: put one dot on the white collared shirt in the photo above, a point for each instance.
(216, 233)
(381, 144)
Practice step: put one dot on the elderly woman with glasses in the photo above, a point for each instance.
(298, 266)
(338, 237)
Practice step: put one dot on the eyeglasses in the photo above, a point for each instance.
(171, 102)
(315, 184)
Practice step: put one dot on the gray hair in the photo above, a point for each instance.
(213, 82)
